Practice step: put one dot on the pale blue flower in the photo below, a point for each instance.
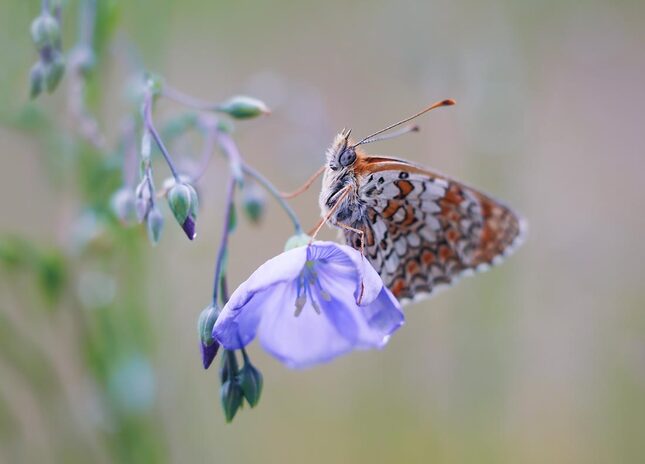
(309, 305)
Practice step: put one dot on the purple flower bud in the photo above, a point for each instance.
(189, 228)
(208, 344)
(183, 202)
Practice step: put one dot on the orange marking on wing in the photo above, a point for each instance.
(369, 237)
(365, 165)
(427, 257)
(444, 253)
(409, 216)
(392, 207)
(398, 286)
(412, 267)
(452, 235)
(453, 195)
(405, 187)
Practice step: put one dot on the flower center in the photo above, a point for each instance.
(308, 282)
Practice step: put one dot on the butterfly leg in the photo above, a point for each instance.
(341, 196)
(361, 234)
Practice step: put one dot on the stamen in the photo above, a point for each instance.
(300, 303)
(314, 304)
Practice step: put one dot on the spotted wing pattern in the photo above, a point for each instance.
(423, 230)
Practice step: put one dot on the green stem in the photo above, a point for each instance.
(275, 193)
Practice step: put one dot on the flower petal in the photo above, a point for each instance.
(346, 262)
(384, 314)
(236, 327)
(364, 326)
(302, 341)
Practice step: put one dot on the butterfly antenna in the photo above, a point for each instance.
(392, 135)
(370, 138)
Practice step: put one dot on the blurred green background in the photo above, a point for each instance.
(540, 360)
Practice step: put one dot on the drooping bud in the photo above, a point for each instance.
(254, 201)
(36, 79)
(143, 202)
(231, 395)
(242, 107)
(296, 241)
(208, 344)
(54, 70)
(123, 205)
(179, 201)
(229, 368)
(183, 202)
(251, 382)
(155, 225)
(45, 31)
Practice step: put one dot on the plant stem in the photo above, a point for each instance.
(147, 119)
(221, 253)
(180, 97)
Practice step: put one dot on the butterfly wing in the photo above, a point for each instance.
(424, 230)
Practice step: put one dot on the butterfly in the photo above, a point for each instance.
(419, 229)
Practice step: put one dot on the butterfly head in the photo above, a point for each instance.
(341, 154)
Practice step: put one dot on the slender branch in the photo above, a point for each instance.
(147, 119)
(207, 154)
(221, 253)
(276, 194)
(184, 99)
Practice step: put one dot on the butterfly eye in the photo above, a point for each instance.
(347, 157)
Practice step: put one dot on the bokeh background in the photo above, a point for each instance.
(539, 360)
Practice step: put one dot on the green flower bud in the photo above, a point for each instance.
(183, 201)
(231, 396)
(296, 241)
(206, 322)
(251, 382)
(179, 201)
(155, 225)
(36, 79)
(254, 201)
(45, 31)
(229, 368)
(241, 107)
(208, 344)
(54, 71)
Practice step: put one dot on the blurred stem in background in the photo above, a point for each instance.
(92, 284)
